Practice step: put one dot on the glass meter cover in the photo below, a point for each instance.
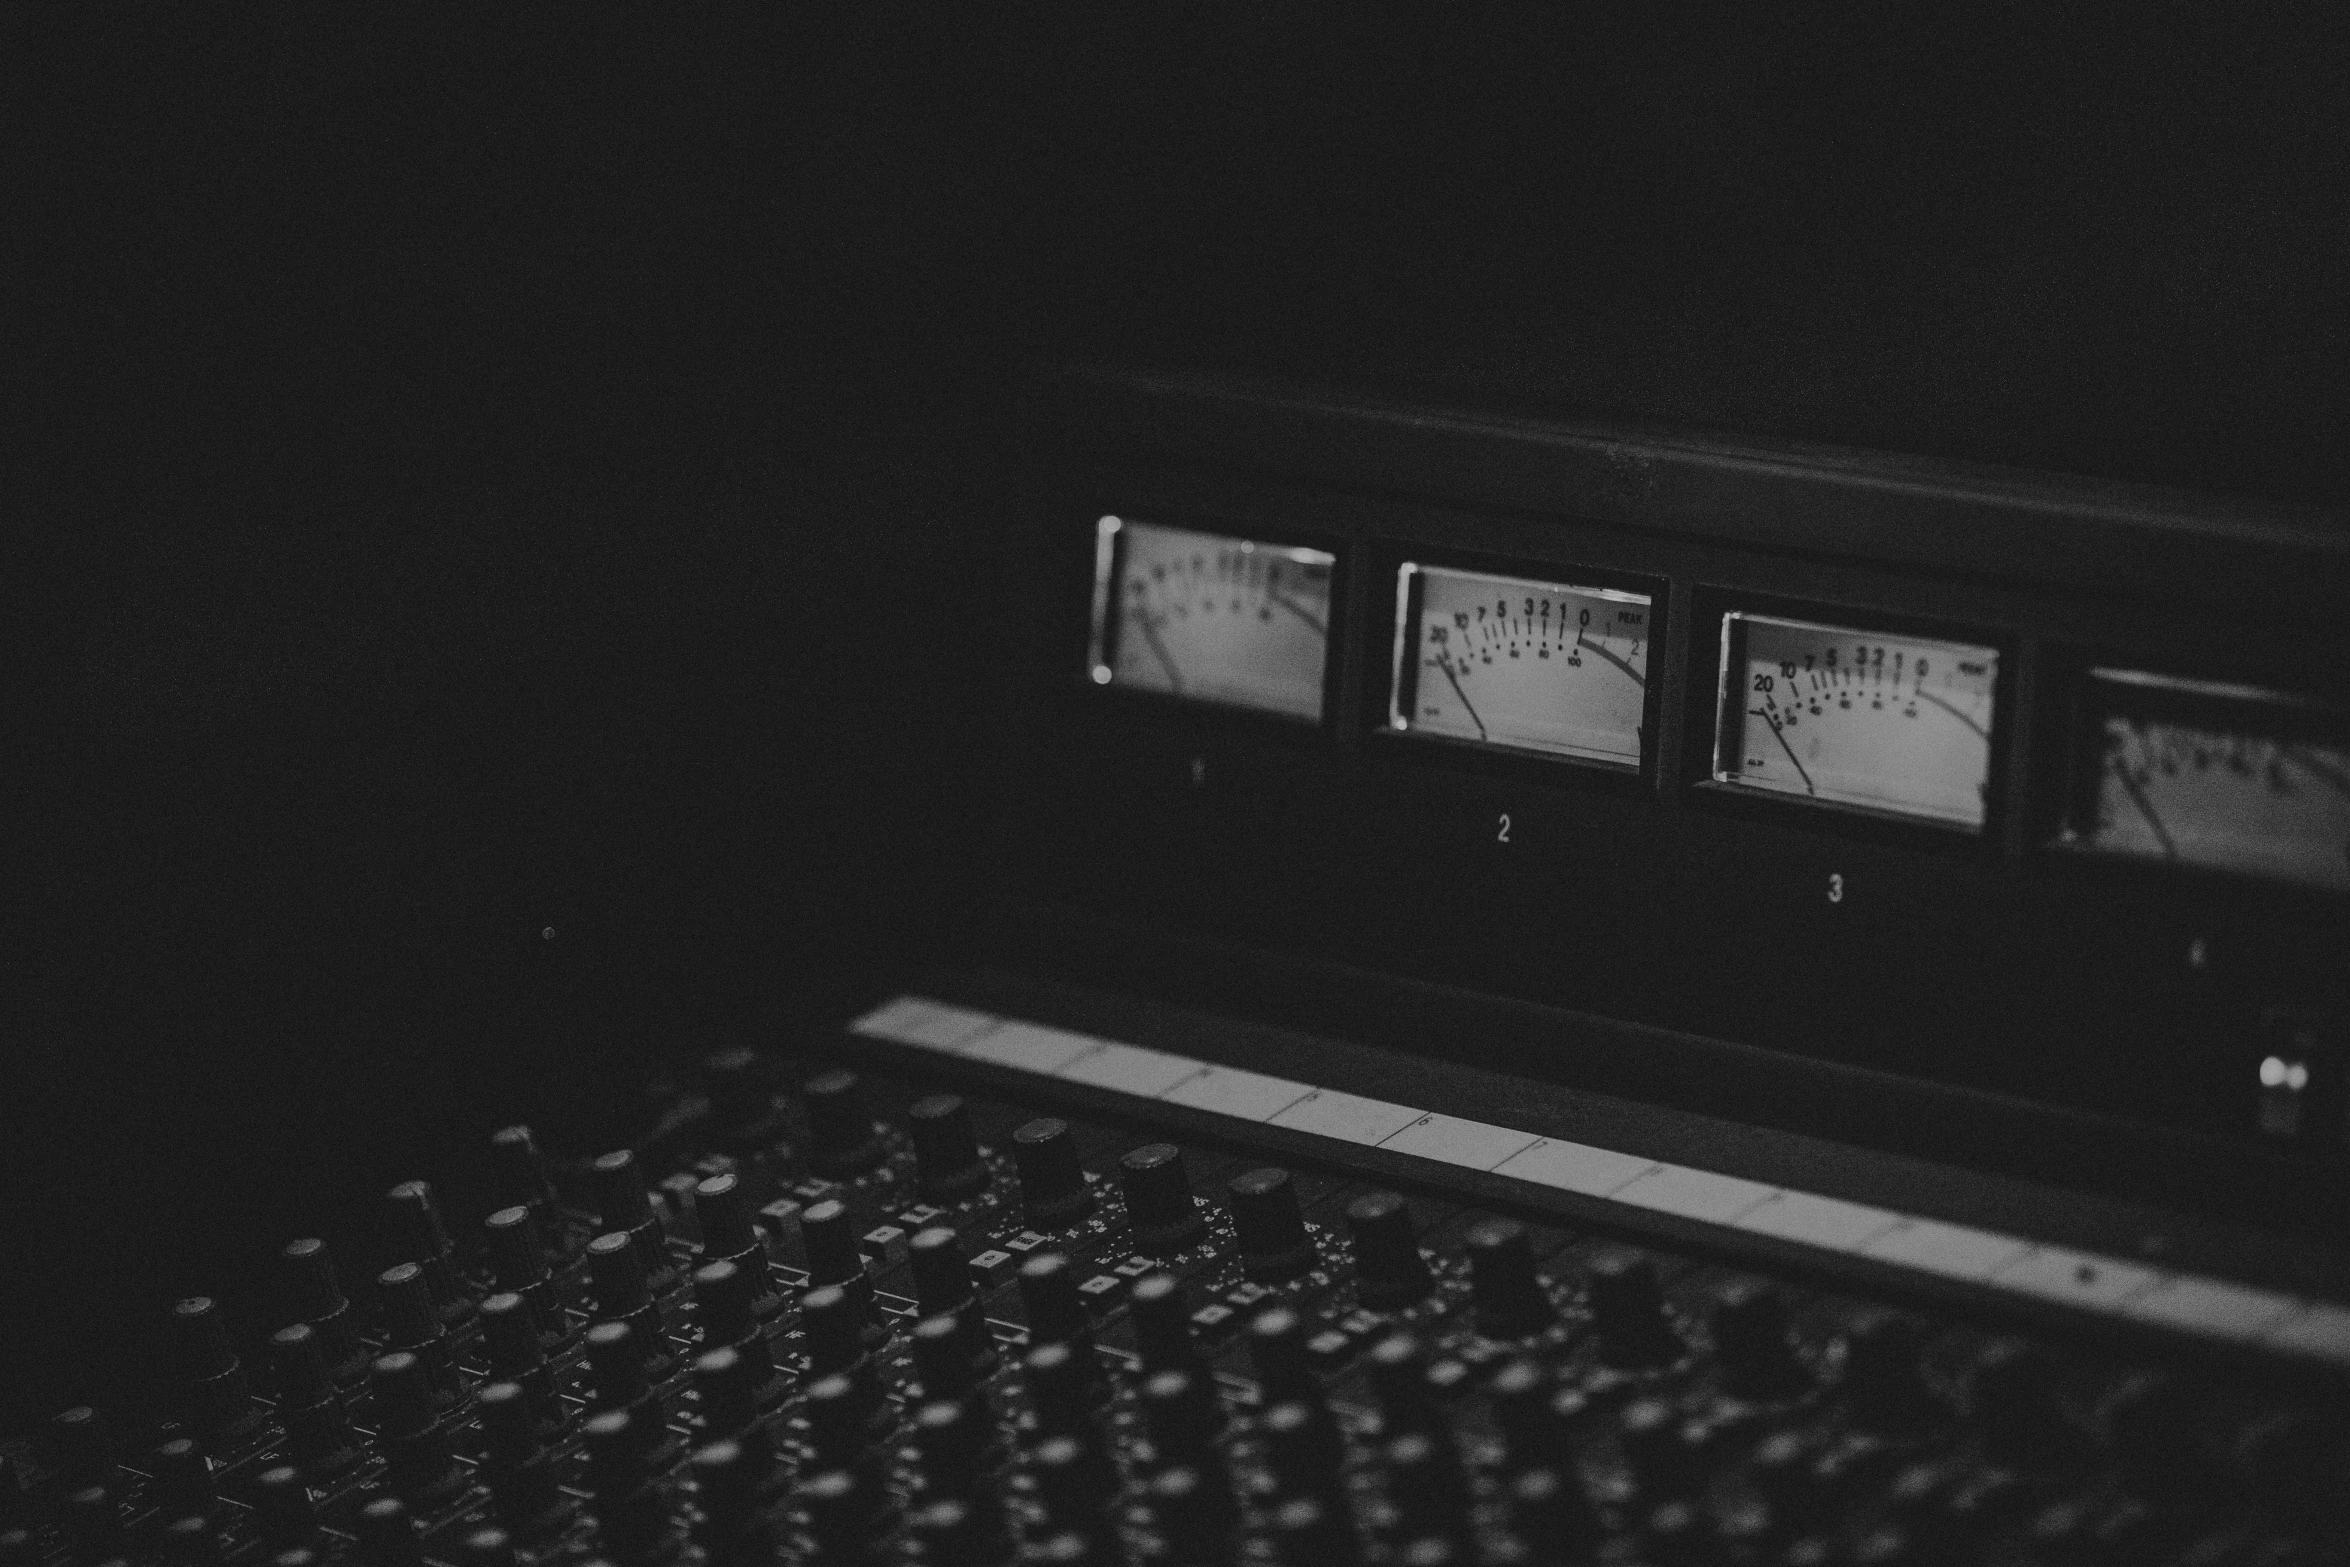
(1899, 725)
(1528, 666)
(2220, 777)
(1215, 619)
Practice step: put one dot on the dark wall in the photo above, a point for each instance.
(491, 473)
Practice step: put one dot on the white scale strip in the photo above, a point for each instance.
(2212, 1308)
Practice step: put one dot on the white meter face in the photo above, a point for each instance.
(1832, 715)
(1235, 622)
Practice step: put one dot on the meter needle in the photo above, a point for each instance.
(1445, 664)
(1150, 632)
(1781, 736)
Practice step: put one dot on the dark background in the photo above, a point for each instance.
(479, 476)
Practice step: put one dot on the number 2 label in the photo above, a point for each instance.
(1503, 836)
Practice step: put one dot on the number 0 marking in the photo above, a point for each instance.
(1503, 836)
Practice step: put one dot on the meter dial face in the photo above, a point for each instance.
(2224, 778)
(1894, 724)
(1529, 666)
(1213, 619)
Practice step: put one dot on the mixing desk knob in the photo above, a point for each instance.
(947, 1166)
(1508, 1297)
(1184, 1417)
(1550, 1514)
(516, 1464)
(218, 1400)
(1426, 1486)
(728, 1486)
(943, 1285)
(1883, 1375)
(387, 1534)
(1779, 1472)
(1657, 1449)
(722, 1209)
(179, 1479)
(726, 1299)
(92, 1522)
(1302, 1447)
(1311, 1531)
(1275, 1245)
(954, 1442)
(318, 1432)
(1064, 1383)
(1277, 1353)
(1049, 1297)
(1159, 1206)
(828, 1235)
(1194, 1514)
(846, 1415)
(419, 1465)
(960, 1530)
(85, 1453)
(1390, 1273)
(412, 1324)
(617, 1373)
(1749, 1325)
(1053, 1192)
(623, 1290)
(316, 1297)
(951, 1353)
(1398, 1370)
(284, 1508)
(187, 1541)
(835, 1509)
(515, 1350)
(1076, 1482)
(625, 1207)
(843, 1140)
(1524, 1408)
(732, 1396)
(1161, 1313)
(835, 1329)
(519, 1173)
(518, 1265)
(628, 1504)
(480, 1548)
(1628, 1307)
(413, 1233)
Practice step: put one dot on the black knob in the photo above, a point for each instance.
(1657, 1448)
(730, 1483)
(839, 1411)
(1303, 1448)
(1053, 1191)
(411, 1323)
(85, 1452)
(624, 1293)
(180, 1479)
(1160, 1310)
(842, 1139)
(1628, 1307)
(942, 1274)
(318, 1432)
(1194, 1514)
(835, 1329)
(1277, 1353)
(1532, 1434)
(187, 1541)
(1551, 1514)
(1184, 1416)
(1426, 1486)
(419, 1463)
(283, 1507)
(1050, 1299)
(92, 1519)
(413, 1232)
(953, 1442)
(1311, 1531)
(1508, 1298)
(1390, 1273)
(625, 1206)
(1062, 1381)
(1749, 1326)
(518, 1265)
(1075, 1480)
(218, 1401)
(316, 1297)
(387, 1534)
(632, 1509)
(1274, 1243)
(1159, 1204)
(1884, 1374)
(519, 1172)
(725, 1302)
(732, 1395)
(516, 1464)
(837, 1514)
(1397, 1367)
(947, 1166)
(961, 1529)
(1779, 1471)
(484, 1548)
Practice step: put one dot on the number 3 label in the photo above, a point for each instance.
(1835, 888)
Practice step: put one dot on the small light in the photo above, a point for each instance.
(2277, 1072)
(1101, 674)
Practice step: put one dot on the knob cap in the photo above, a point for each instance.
(518, 1265)
(387, 1534)
(315, 1296)
(1274, 1243)
(218, 1400)
(1193, 1511)
(318, 1432)
(953, 1443)
(835, 1327)
(1309, 1531)
(947, 1166)
(1425, 1482)
(1532, 1433)
(1657, 1449)
(1184, 1416)
(1053, 1190)
(624, 1205)
(1550, 1512)
(413, 1232)
(1397, 1367)
(1048, 1296)
(946, 1359)
(284, 1507)
(180, 1479)
(1061, 1381)
(1303, 1448)
(1508, 1298)
(842, 1139)
(1159, 1204)
(1390, 1273)
(519, 1172)
(1628, 1307)
(1160, 1310)
(1075, 1480)
(1277, 1353)
(1749, 1326)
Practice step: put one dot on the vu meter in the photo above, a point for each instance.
(2219, 777)
(1893, 724)
(1214, 619)
(1527, 666)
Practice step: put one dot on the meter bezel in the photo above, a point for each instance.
(1111, 528)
